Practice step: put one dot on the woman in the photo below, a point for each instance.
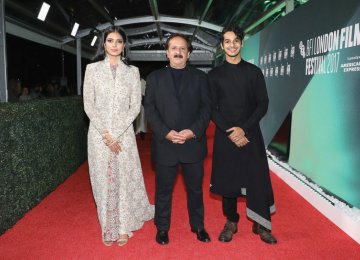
(112, 98)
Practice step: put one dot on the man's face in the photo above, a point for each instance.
(177, 53)
(231, 44)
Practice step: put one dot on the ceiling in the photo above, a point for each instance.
(147, 23)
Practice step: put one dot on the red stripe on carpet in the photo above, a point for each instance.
(64, 226)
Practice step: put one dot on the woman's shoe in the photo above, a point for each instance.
(107, 243)
(123, 239)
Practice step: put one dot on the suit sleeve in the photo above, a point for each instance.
(261, 101)
(200, 125)
(135, 103)
(152, 114)
(216, 116)
(89, 101)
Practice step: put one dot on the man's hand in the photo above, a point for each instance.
(236, 133)
(187, 134)
(175, 137)
(237, 136)
(242, 142)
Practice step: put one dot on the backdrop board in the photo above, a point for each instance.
(311, 63)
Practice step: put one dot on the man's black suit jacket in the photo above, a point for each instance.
(189, 109)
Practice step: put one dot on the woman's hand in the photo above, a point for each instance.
(107, 138)
(115, 147)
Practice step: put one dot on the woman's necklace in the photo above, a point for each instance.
(113, 69)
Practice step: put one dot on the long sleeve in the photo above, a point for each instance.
(152, 114)
(261, 100)
(89, 100)
(134, 107)
(200, 125)
(216, 116)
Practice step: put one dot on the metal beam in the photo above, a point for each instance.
(201, 18)
(169, 19)
(151, 55)
(155, 13)
(173, 29)
(271, 12)
(201, 35)
(205, 11)
(3, 65)
(238, 11)
(100, 10)
(62, 10)
(194, 22)
(204, 47)
(78, 65)
(197, 56)
(23, 32)
(140, 42)
(141, 30)
(156, 40)
(26, 31)
(289, 6)
(85, 32)
(206, 38)
(147, 19)
(23, 11)
(249, 12)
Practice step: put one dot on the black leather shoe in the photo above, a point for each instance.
(201, 234)
(162, 237)
(229, 230)
(265, 234)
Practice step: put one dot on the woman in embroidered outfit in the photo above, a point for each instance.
(112, 99)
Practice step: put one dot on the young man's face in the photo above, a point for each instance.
(178, 52)
(231, 44)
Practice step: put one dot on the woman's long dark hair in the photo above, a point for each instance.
(100, 53)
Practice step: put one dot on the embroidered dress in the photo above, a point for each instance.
(112, 101)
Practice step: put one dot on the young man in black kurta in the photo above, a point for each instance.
(240, 165)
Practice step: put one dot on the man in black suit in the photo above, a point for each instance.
(177, 106)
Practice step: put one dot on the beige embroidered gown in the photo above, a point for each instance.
(140, 121)
(112, 99)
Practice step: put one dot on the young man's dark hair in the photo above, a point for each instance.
(233, 28)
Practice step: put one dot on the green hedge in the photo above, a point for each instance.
(42, 142)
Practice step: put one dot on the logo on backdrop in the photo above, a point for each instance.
(323, 52)
(277, 63)
(302, 49)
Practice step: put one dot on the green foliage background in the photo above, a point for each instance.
(42, 143)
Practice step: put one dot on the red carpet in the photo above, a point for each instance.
(64, 226)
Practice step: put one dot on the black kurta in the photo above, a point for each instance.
(240, 99)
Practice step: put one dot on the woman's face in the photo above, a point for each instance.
(114, 44)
